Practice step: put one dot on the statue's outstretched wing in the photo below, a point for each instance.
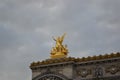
(63, 36)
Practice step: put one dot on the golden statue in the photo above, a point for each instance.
(59, 50)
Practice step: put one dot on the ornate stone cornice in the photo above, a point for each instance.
(77, 60)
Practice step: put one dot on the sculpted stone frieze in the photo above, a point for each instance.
(84, 72)
(113, 69)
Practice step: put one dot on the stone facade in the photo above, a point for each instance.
(102, 67)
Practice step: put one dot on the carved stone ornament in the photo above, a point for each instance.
(83, 72)
(98, 71)
(113, 69)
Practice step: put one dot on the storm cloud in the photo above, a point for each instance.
(27, 27)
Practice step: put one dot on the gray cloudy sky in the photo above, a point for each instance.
(27, 27)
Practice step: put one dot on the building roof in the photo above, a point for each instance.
(68, 59)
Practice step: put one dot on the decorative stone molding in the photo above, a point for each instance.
(84, 72)
(98, 72)
(113, 69)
